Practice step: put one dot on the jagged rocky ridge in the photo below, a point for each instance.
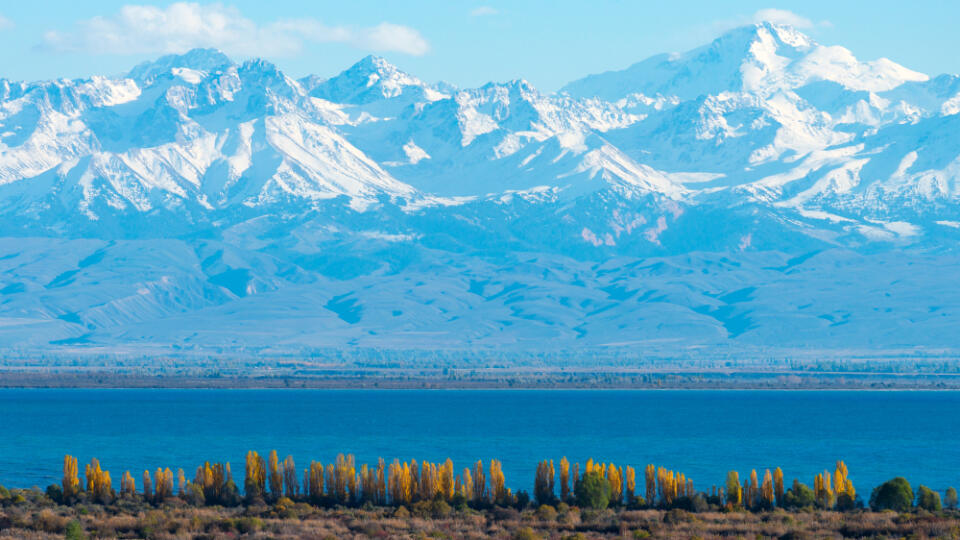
(760, 191)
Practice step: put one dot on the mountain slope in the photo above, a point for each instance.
(761, 192)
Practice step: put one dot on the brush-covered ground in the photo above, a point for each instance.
(29, 514)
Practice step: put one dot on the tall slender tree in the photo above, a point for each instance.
(778, 486)
(734, 491)
(71, 483)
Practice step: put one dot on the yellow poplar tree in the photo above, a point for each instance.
(254, 482)
(314, 485)
(147, 486)
(479, 482)
(778, 485)
(128, 487)
(767, 493)
(446, 479)
(290, 483)
(651, 484)
(734, 492)
(381, 482)
(752, 497)
(467, 481)
(631, 481)
(498, 490)
(181, 482)
(823, 490)
(275, 477)
(564, 479)
(71, 483)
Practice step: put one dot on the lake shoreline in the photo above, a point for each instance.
(541, 380)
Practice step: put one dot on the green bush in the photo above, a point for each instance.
(593, 491)
(54, 491)
(928, 499)
(895, 494)
(845, 502)
(526, 533)
(440, 509)
(547, 512)
(75, 531)
(247, 525)
(951, 499)
(799, 496)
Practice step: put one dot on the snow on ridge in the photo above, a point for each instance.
(763, 113)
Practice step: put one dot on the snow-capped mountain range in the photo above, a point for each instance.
(763, 190)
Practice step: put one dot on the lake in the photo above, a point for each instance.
(701, 433)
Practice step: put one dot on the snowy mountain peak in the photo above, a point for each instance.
(369, 80)
(195, 60)
(762, 58)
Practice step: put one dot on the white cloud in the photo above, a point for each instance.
(383, 37)
(782, 16)
(393, 37)
(483, 11)
(5, 23)
(778, 16)
(141, 29)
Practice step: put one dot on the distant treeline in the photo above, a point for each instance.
(595, 485)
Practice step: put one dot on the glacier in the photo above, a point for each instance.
(762, 192)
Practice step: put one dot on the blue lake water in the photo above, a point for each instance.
(702, 433)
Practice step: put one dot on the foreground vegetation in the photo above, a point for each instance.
(36, 516)
(411, 499)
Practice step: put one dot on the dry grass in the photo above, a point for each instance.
(39, 518)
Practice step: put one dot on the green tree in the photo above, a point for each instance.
(928, 499)
(799, 496)
(895, 494)
(593, 491)
(951, 499)
(543, 483)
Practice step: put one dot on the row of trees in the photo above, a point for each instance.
(595, 485)
(339, 482)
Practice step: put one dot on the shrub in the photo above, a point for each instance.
(593, 491)
(459, 502)
(845, 502)
(928, 499)
(54, 491)
(522, 500)
(546, 512)
(799, 496)
(677, 515)
(74, 531)
(526, 533)
(697, 503)
(247, 525)
(49, 522)
(951, 499)
(895, 494)
(440, 509)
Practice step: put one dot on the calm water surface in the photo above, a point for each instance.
(702, 433)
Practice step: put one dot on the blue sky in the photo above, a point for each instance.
(467, 43)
